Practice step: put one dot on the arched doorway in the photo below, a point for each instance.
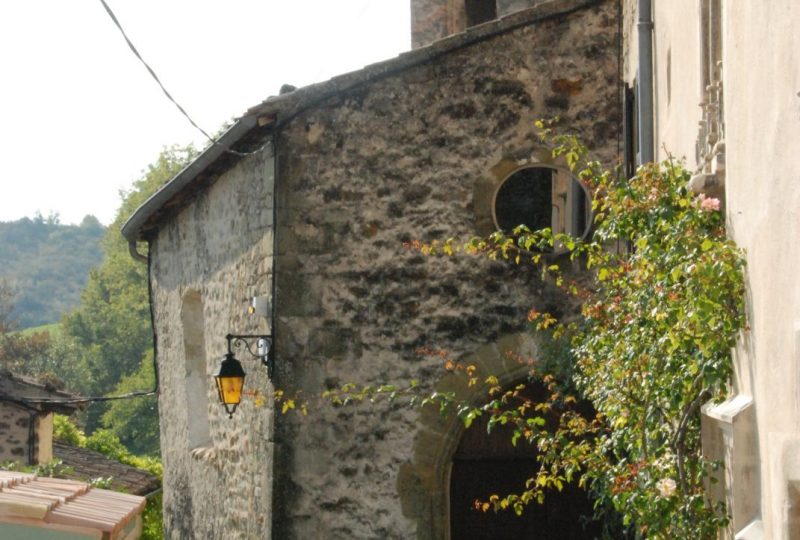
(483, 465)
(424, 483)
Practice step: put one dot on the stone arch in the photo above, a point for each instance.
(423, 482)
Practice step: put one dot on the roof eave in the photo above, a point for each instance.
(288, 105)
(133, 228)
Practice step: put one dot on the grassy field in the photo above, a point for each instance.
(54, 329)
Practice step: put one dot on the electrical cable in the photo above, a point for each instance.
(130, 395)
(164, 89)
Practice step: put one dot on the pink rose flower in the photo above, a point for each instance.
(710, 204)
(666, 487)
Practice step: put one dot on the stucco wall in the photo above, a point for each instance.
(762, 113)
(677, 79)
(216, 254)
(761, 80)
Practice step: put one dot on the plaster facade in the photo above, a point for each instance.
(742, 59)
(414, 148)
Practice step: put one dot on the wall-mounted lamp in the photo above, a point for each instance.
(230, 373)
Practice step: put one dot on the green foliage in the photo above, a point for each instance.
(65, 431)
(47, 264)
(20, 352)
(111, 327)
(153, 518)
(659, 320)
(44, 356)
(7, 321)
(52, 469)
(54, 329)
(135, 421)
(107, 443)
(656, 344)
(102, 482)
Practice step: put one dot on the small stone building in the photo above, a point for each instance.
(26, 425)
(306, 203)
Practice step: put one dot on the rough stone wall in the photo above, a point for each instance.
(416, 154)
(432, 20)
(14, 433)
(411, 156)
(506, 7)
(218, 253)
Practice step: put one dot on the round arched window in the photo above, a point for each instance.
(540, 197)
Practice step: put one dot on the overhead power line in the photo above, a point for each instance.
(163, 88)
(153, 73)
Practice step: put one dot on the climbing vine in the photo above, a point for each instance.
(659, 316)
(661, 305)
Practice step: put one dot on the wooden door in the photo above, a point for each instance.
(484, 465)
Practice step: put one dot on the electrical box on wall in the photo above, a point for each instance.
(259, 306)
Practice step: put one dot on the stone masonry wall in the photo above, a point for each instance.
(432, 20)
(14, 433)
(209, 261)
(416, 154)
(412, 156)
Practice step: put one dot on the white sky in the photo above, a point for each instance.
(80, 117)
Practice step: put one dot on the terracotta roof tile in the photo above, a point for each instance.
(65, 502)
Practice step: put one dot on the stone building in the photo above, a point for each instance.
(725, 79)
(26, 429)
(306, 203)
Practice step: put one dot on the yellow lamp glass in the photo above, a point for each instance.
(230, 382)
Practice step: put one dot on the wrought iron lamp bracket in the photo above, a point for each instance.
(263, 348)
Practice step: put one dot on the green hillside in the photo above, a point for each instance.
(47, 264)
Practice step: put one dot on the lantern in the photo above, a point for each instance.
(230, 382)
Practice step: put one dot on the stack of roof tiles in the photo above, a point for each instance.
(26, 498)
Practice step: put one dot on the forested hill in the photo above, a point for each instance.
(47, 264)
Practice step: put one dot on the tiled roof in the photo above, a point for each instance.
(87, 464)
(65, 502)
(31, 393)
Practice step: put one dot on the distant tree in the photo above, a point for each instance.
(37, 354)
(132, 421)
(7, 322)
(47, 264)
(91, 222)
(111, 327)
